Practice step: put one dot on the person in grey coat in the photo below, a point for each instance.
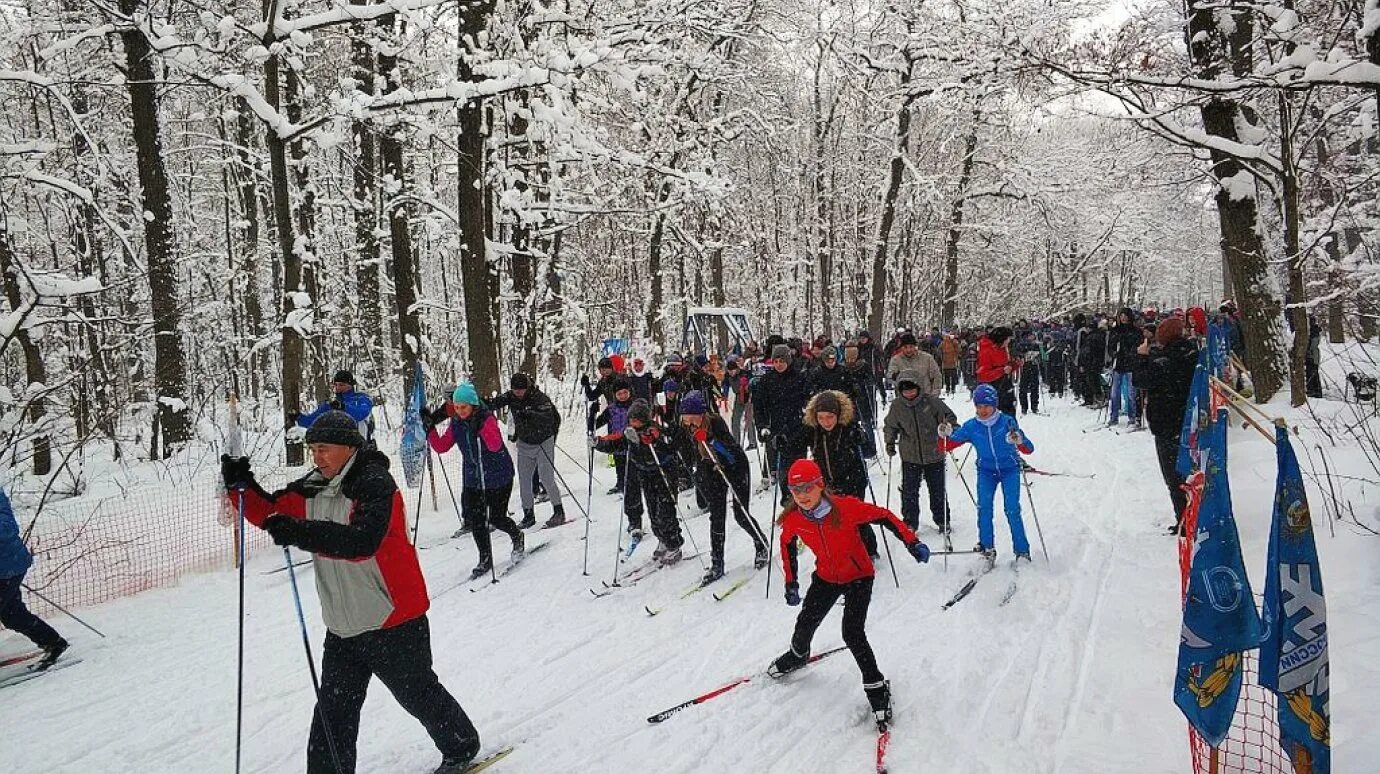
(909, 357)
(912, 426)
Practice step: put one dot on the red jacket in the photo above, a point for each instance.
(367, 574)
(992, 361)
(840, 556)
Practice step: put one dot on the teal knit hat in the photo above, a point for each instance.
(466, 394)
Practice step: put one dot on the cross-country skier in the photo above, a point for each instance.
(828, 525)
(836, 443)
(719, 457)
(652, 471)
(909, 357)
(996, 367)
(536, 421)
(486, 466)
(15, 561)
(997, 438)
(912, 425)
(346, 397)
(615, 418)
(1029, 354)
(779, 398)
(348, 513)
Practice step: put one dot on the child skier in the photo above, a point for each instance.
(615, 418)
(828, 524)
(487, 470)
(718, 457)
(651, 471)
(997, 437)
(836, 443)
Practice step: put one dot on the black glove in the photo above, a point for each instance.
(584, 381)
(891, 450)
(792, 594)
(284, 530)
(234, 471)
(432, 417)
(764, 435)
(292, 418)
(337, 404)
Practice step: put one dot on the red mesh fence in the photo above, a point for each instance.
(1252, 745)
(87, 552)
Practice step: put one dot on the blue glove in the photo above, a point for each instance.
(920, 551)
(793, 594)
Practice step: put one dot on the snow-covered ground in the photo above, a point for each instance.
(1073, 675)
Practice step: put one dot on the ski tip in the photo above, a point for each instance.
(650, 611)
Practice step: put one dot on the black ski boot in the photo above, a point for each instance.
(481, 569)
(51, 654)
(787, 662)
(519, 546)
(990, 554)
(455, 765)
(879, 696)
(529, 519)
(715, 572)
(557, 517)
(759, 560)
(1022, 555)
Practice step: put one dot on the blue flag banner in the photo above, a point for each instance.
(614, 346)
(1198, 409)
(1293, 653)
(413, 448)
(1220, 618)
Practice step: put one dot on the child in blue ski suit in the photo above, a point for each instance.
(997, 438)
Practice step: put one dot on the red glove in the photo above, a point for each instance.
(701, 435)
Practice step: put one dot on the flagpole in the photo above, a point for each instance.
(1232, 398)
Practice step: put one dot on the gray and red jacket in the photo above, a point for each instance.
(367, 574)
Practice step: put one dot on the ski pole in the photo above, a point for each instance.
(958, 468)
(239, 654)
(484, 503)
(1031, 497)
(885, 541)
(623, 503)
(311, 662)
(771, 544)
(589, 495)
(550, 461)
(421, 490)
(459, 513)
(737, 503)
(61, 609)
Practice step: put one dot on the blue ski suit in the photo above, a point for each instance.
(998, 463)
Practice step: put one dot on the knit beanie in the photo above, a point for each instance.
(781, 352)
(830, 353)
(985, 395)
(344, 376)
(520, 381)
(693, 403)
(670, 385)
(827, 401)
(640, 411)
(466, 394)
(335, 427)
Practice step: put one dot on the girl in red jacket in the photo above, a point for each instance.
(996, 367)
(828, 525)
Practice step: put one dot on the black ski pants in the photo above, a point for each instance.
(401, 659)
(1030, 392)
(819, 600)
(950, 380)
(650, 485)
(15, 615)
(913, 476)
(481, 507)
(1058, 379)
(717, 493)
(1167, 450)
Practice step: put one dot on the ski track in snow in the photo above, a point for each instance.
(1073, 675)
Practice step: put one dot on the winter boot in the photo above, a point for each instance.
(51, 654)
(879, 696)
(519, 545)
(557, 517)
(455, 765)
(483, 568)
(672, 556)
(715, 572)
(635, 533)
(615, 490)
(529, 519)
(459, 533)
(541, 496)
(787, 662)
(990, 554)
(759, 560)
(1022, 555)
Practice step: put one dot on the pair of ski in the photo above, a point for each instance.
(971, 583)
(883, 728)
(719, 596)
(513, 564)
(19, 669)
(638, 573)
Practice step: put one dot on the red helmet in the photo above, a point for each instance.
(803, 472)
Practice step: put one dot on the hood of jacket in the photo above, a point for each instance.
(846, 408)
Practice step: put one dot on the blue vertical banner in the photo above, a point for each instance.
(1220, 618)
(412, 448)
(1293, 653)
(1198, 409)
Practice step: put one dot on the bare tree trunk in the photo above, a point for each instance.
(365, 194)
(399, 188)
(34, 369)
(475, 268)
(949, 312)
(893, 189)
(246, 180)
(169, 369)
(1298, 293)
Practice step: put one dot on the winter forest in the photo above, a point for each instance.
(216, 215)
(198, 198)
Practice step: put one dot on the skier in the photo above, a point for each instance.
(912, 423)
(996, 368)
(615, 417)
(835, 442)
(15, 561)
(346, 398)
(779, 398)
(908, 357)
(864, 395)
(719, 456)
(736, 387)
(487, 470)
(829, 524)
(997, 437)
(602, 389)
(1056, 364)
(348, 513)
(641, 380)
(651, 471)
(950, 351)
(876, 364)
(1122, 341)
(1029, 353)
(536, 422)
(1166, 371)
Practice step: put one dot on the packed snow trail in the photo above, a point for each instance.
(1074, 674)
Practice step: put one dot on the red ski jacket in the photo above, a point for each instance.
(840, 556)
(992, 361)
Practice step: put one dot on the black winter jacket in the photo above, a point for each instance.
(780, 400)
(535, 418)
(1166, 375)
